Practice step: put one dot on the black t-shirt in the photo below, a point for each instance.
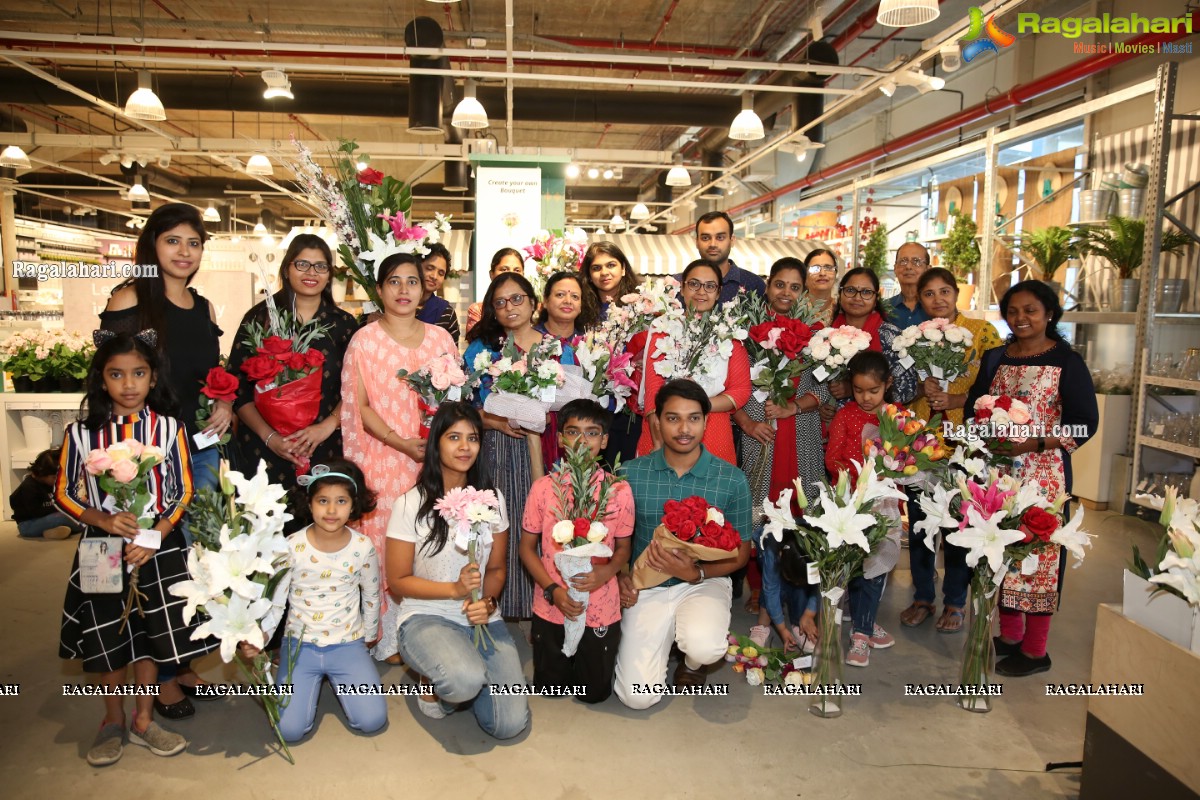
(31, 500)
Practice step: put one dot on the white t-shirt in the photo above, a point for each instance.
(334, 597)
(443, 567)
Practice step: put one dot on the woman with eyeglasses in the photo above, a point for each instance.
(728, 384)
(608, 276)
(938, 292)
(860, 305)
(820, 276)
(508, 308)
(305, 273)
(381, 421)
(506, 259)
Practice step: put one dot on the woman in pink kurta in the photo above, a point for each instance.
(380, 419)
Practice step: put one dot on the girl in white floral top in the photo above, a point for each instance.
(333, 616)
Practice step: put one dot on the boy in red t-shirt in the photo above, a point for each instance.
(594, 661)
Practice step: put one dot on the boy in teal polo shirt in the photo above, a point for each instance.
(692, 608)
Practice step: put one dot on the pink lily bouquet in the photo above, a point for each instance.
(583, 490)
(937, 348)
(123, 471)
(551, 252)
(831, 349)
(439, 381)
(472, 516)
(607, 369)
(240, 575)
(1006, 526)
(524, 386)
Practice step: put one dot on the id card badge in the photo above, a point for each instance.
(100, 560)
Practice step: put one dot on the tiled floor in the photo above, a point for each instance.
(743, 745)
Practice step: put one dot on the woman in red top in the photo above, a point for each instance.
(859, 305)
(700, 290)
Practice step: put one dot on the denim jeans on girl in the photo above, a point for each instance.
(347, 664)
(463, 676)
(34, 528)
(779, 596)
(865, 594)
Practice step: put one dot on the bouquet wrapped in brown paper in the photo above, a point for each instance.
(696, 528)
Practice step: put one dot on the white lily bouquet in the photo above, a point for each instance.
(837, 533)
(1178, 570)
(1006, 526)
(240, 573)
(699, 346)
(583, 490)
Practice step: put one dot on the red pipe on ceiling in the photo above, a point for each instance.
(1018, 95)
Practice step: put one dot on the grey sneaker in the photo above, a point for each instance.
(161, 742)
(57, 533)
(109, 744)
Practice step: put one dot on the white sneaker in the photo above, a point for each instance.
(430, 708)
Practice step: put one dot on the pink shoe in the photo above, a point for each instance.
(881, 639)
(807, 645)
(860, 650)
(760, 635)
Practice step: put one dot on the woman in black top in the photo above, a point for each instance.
(189, 343)
(305, 273)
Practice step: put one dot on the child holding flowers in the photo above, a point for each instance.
(585, 425)
(127, 423)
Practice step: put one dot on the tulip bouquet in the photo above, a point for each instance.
(906, 446)
(696, 528)
(286, 371)
(1179, 552)
(832, 348)
(583, 490)
(937, 348)
(472, 516)
(239, 573)
(220, 385)
(551, 252)
(439, 381)
(837, 533)
(1006, 526)
(761, 664)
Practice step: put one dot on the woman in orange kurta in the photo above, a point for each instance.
(381, 424)
(700, 290)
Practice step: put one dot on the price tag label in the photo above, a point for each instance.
(802, 662)
(205, 440)
(814, 574)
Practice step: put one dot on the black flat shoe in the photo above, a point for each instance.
(1019, 665)
(1004, 649)
(181, 710)
(191, 692)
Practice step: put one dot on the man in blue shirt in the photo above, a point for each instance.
(691, 608)
(904, 310)
(714, 241)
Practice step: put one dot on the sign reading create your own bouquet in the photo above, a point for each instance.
(508, 213)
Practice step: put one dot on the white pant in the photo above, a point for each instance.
(694, 617)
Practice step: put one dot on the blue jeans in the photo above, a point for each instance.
(443, 651)
(347, 664)
(778, 595)
(865, 594)
(205, 464)
(922, 562)
(34, 528)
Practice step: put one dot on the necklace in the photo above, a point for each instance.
(1009, 351)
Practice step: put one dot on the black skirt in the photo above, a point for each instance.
(90, 622)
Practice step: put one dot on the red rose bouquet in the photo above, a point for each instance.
(286, 371)
(696, 528)
(776, 345)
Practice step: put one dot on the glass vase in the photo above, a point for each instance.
(979, 652)
(829, 660)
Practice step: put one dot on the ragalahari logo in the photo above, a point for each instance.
(982, 37)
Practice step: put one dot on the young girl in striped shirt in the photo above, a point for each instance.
(126, 402)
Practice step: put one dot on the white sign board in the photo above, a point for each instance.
(508, 213)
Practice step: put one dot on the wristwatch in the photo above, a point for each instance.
(700, 569)
(548, 593)
(490, 602)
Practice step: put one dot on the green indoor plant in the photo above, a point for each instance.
(960, 250)
(874, 253)
(1049, 248)
(1121, 243)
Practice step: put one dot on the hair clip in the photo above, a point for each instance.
(147, 337)
(320, 471)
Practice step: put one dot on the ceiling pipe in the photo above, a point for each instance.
(1016, 96)
(425, 91)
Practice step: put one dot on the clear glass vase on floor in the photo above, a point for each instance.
(979, 653)
(829, 665)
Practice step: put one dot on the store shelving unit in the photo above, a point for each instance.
(15, 453)
(1161, 332)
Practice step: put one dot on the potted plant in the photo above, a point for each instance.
(24, 355)
(1048, 248)
(1121, 243)
(874, 252)
(69, 361)
(961, 255)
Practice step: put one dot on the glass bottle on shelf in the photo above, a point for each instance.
(1190, 370)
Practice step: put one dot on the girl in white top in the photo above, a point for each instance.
(434, 581)
(333, 603)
